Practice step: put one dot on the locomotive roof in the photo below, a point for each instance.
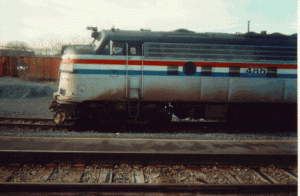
(185, 36)
(144, 34)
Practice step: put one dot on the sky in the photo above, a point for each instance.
(42, 23)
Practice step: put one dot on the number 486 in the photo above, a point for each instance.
(256, 70)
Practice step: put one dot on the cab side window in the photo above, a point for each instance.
(118, 48)
(135, 48)
(106, 49)
(132, 51)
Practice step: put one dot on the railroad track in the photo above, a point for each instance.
(51, 165)
(45, 123)
(48, 123)
(136, 177)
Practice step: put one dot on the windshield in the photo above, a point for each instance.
(99, 42)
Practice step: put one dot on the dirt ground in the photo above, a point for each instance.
(25, 98)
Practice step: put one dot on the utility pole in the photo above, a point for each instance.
(248, 26)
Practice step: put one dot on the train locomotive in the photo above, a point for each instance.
(148, 76)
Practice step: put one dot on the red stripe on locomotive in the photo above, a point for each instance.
(179, 63)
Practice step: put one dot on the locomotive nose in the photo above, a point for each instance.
(67, 86)
(66, 67)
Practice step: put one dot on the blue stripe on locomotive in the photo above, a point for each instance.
(164, 73)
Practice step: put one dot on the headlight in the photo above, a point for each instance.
(69, 67)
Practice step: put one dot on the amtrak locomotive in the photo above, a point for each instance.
(148, 76)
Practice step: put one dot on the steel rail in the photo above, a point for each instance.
(236, 189)
(44, 123)
(52, 119)
(25, 118)
(65, 173)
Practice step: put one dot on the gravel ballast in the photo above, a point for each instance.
(20, 98)
(19, 132)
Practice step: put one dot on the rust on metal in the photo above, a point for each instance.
(171, 95)
(78, 165)
(50, 165)
(111, 95)
(15, 164)
(107, 165)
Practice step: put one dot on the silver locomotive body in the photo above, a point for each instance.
(151, 75)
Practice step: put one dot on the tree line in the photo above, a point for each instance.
(54, 50)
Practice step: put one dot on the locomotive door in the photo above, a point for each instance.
(134, 73)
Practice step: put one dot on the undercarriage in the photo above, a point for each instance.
(160, 113)
(97, 111)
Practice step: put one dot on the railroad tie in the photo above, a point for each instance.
(43, 174)
(138, 176)
(105, 176)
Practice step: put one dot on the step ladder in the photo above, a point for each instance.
(134, 108)
(134, 86)
(134, 96)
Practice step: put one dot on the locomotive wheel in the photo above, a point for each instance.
(59, 118)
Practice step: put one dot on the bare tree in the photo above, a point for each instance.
(78, 40)
(57, 49)
(18, 45)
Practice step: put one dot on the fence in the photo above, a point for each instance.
(33, 67)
